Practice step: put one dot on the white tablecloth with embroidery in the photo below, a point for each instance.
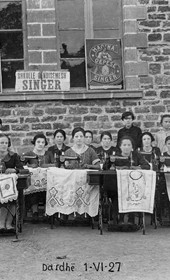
(38, 180)
(8, 189)
(136, 190)
(68, 192)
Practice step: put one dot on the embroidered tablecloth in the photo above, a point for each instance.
(68, 192)
(38, 180)
(8, 189)
(136, 190)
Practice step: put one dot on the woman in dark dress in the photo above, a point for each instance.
(150, 153)
(38, 157)
(59, 147)
(10, 163)
(106, 149)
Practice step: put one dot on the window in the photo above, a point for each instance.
(11, 41)
(80, 19)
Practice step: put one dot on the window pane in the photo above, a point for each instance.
(77, 72)
(106, 13)
(10, 15)
(72, 43)
(107, 33)
(8, 73)
(11, 45)
(71, 14)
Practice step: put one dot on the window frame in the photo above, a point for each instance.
(89, 34)
(24, 59)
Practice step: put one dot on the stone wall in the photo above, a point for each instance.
(147, 67)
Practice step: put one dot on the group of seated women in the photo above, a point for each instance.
(88, 157)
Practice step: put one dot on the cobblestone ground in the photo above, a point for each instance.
(91, 256)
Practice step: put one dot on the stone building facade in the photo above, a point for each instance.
(146, 65)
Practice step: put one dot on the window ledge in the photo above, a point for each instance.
(77, 94)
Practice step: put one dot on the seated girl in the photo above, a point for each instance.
(105, 149)
(10, 163)
(87, 155)
(127, 158)
(89, 138)
(59, 148)
(37, 157)
(150, 153)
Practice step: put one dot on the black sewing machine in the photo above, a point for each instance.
(120, 161)
(60, 161)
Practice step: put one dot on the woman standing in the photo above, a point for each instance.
(10, 163)
(86, 154)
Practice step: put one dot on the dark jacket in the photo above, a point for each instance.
(134, 132)
(12, 160)
(153, 157)
(104, 153)
(56, 151)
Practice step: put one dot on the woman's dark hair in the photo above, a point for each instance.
(167, 139)
(143, 134)
(126, 138)
(89, 131)
(164, 116)
(0, 122)
(39, 135)
(77, 129)
(9, 140)
(127, 114)
(60, 131)
(105, 133)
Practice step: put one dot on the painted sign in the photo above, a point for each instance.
(42, 81)
(103, 63)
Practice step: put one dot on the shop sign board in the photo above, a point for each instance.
(42, 81)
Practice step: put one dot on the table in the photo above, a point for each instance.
(98, 177)
(17, 197)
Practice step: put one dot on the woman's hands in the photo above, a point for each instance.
(10, 170)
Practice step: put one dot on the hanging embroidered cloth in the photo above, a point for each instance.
(38, 180)
(68, 192)
(167, 178)
(8, 189)
(136, 190)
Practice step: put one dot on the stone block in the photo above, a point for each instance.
(35, 57)
(130, 54)
(78, 110)
(129, 2)
(136, 68)
(135, 12)
(158, 109)
(132, 82)
(138, 40)
(39, 126)
(45, 4)
(50, 57)
(130, 26)
(42, 44)
(34, 30)
(40, 16)
(166, 37)
(154, 68)
(48, 29)
(55, 111)
(33, 4)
